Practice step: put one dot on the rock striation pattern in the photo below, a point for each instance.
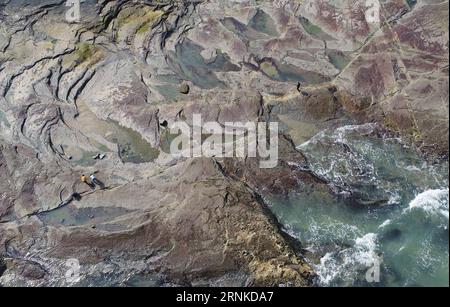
(90, 97)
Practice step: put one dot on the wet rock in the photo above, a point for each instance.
(332, 89)
(32, 271)
(371, 202)
(239, 64)
(184, 89)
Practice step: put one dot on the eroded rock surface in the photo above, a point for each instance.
(72, 91)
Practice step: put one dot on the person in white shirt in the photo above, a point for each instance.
(93, 179)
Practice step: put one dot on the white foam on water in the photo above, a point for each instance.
(412, 168)
(350, 264)
(330, 229)
(339, 134)
(366, 249)
(385, 223)
(328, 269)
(394, 198)
(432, 202)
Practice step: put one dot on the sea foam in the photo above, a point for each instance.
(432, 202)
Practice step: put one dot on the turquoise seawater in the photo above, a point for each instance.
(387, 224)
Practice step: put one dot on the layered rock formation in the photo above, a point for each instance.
(72, 91)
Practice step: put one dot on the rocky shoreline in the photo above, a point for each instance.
(102, 87)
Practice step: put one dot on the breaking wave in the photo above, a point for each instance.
(395, 210)
(432, 203)
(347, 265)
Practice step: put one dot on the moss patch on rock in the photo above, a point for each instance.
(137, 21)
(85, 53)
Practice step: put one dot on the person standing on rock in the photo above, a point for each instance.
(93, 179)
(84, 179)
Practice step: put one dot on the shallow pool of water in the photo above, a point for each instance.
(132, 147)
(71, 215)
